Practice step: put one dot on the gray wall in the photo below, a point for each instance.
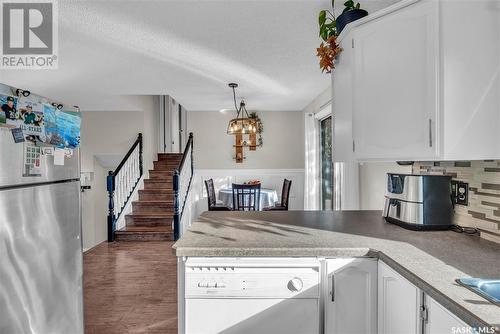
(105, 139)
(283, 141)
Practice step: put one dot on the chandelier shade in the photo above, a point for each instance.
(243, 124)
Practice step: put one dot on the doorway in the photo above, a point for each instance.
(326, 170)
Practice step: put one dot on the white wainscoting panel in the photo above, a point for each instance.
(270, 178)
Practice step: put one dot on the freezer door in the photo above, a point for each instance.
(41, 260)
(12, 164)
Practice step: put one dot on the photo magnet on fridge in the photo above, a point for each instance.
(8, 107)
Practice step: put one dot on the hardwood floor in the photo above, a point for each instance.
(130, 287)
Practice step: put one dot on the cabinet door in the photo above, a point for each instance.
(398, 302)
(395, 102)
(351, 298)
(342, 103)
(442, 321)
(346, 165)
(471, 80)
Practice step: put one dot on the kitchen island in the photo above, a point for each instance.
(431, 260)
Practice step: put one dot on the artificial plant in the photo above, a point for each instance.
(329, 48)
(260, 127)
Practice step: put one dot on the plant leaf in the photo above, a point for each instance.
(322, 29)
(324, 35)
(322, 17)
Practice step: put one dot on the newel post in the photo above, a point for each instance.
(192, 145)
(140, 155)
(110, 185)
(176, 204)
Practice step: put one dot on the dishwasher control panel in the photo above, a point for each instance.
(261, 281)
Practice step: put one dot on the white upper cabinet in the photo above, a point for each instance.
(342, 103)
(471, 83)
(395, 84)
(422, 87)
(351, 299)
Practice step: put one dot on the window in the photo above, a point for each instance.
(326, 172)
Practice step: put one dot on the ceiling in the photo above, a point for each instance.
(189, 49)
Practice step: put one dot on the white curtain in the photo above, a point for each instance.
(312, 182)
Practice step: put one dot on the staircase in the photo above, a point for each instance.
(152, 215)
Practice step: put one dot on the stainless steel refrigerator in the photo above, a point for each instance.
(40, 241)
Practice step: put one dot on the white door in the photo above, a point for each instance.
(351, 298)
(398, 303)
(442, 321)
(395, 88)
(175, 126)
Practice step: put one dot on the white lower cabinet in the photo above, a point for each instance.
(351, 296)
(398, 303)
(404, 309)
(442, 321)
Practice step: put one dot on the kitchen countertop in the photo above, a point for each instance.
(431, 260)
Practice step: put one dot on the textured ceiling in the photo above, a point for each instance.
(188, 49)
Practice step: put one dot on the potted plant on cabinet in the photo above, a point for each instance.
(351, 13)
(329, 48)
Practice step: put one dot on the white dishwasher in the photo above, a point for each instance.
(252, 295)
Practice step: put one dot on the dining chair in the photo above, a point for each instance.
(246, 197)
(213, 204)
(285, 195)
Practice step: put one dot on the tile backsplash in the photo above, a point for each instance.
(483, 177)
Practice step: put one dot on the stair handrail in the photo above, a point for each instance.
(122, 182)
(182, 184)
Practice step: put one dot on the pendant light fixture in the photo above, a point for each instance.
(242, 124)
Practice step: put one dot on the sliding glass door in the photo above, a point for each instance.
(326, 163)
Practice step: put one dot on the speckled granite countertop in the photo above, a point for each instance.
(431, 260)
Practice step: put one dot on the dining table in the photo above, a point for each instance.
(268, 197)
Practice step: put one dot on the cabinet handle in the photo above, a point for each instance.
(333, 288)
(430, 132)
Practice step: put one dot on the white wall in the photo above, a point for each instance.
(111, 133)
(373, 182)
(283, 141)
(105, 139)
(322, 99)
